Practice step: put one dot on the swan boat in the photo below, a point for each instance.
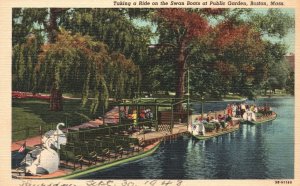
(250, 117)
(44, 161)
(198, 131)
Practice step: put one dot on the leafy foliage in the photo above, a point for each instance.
(104, 53)
(76, 63)
(113, 27)
(232, 54)
(24, 60)
(76, 57)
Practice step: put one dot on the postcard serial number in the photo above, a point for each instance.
(283, 182)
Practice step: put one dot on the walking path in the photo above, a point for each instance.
(30, 142)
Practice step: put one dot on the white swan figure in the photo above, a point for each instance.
(249, 116)
(253, 116)
(58, 136)
(45, 159)
(46, 162)
(245, 116)
(190, 128)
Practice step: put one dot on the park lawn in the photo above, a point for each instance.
(233, 97)
(32, 114)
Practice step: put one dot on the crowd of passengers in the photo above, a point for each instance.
(238, 110)
(222, 121)
(207, 123)
(144, 115)
(142, 118)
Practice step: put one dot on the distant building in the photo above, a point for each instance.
(290, 59)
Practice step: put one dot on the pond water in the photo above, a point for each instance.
(263, 151)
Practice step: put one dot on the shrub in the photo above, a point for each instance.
(258, 114)
(228, 119)
(222, 124)
(209, 127)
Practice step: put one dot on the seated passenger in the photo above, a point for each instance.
(134, 117)
(142, 115)
(201, 127)
(214, 120)
(196, 121)
(149, 114)
(255, 110)
(223, 124)
(220, 117)
(207, 119)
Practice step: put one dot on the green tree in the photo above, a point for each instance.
(243, 56)
(79, 61)
(120, 29)
(27, 37)
(279, 75)
(113, 27)
(217, 40)
(24, 60)
(109, 25)
(290, 83)
(178, 29)
(40, 22)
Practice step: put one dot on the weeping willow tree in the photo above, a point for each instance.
(122, 76)
(24, 60)
(78, 63)
(115, 27)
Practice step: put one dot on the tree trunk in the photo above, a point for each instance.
(56, 100)
(266, 91)
(180, 74)
(56, 103)
(52, 28)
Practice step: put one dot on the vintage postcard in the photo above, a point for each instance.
(150, 92)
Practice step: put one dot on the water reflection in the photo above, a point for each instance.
(199, 162)
(154, 170)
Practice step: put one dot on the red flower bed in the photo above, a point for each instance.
(23, 95)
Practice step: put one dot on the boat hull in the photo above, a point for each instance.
(97, 167)
(108, 165)
(274, 116)
(209, 136)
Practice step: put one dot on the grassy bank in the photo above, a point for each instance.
(198, 97)
(33, 113)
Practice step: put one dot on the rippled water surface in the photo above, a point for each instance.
(263, 151)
